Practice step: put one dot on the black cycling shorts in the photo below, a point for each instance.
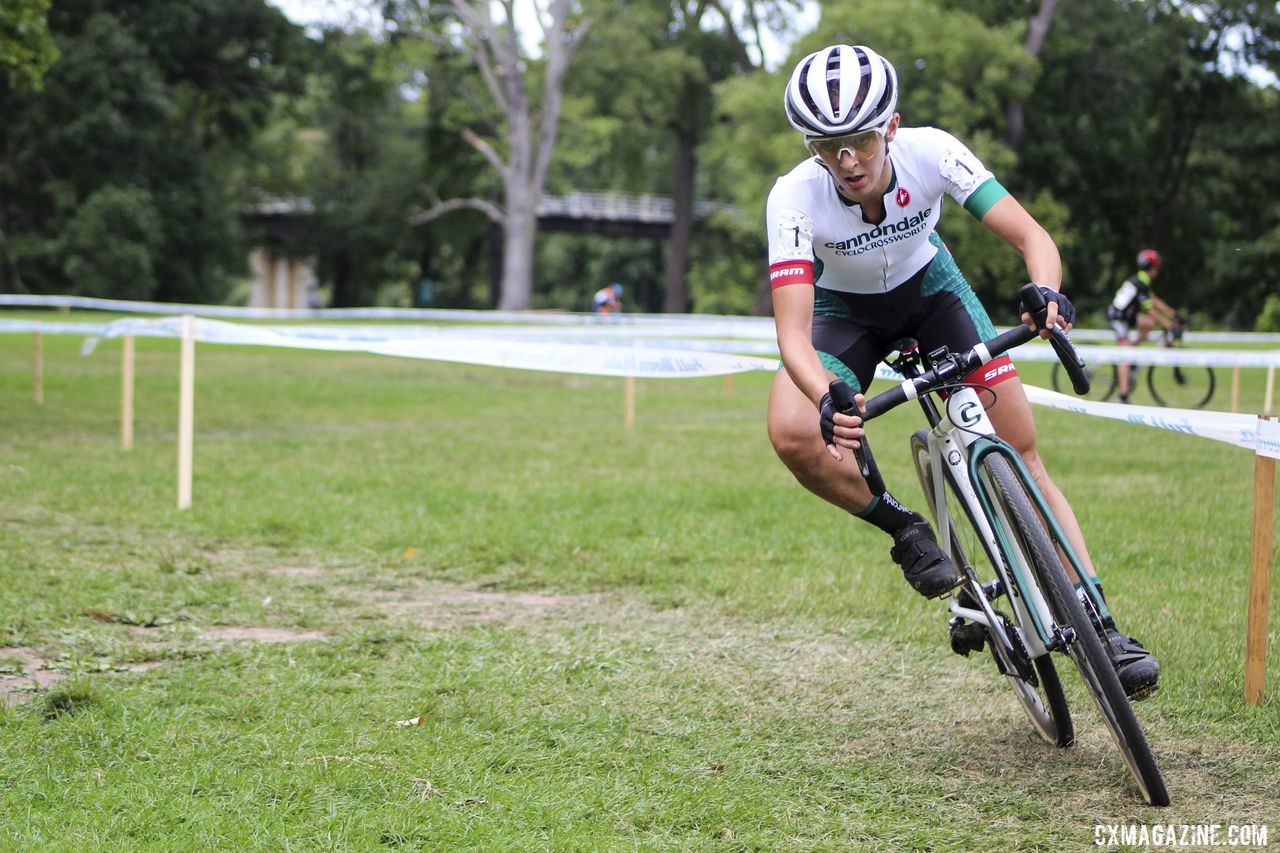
(854, 332)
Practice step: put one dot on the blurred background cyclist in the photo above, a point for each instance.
(1136, 306)
(608, 300)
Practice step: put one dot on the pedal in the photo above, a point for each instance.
(990, 590)
(966, 636)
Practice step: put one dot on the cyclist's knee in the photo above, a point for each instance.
(798, 448)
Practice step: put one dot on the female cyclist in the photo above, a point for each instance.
(856, 265)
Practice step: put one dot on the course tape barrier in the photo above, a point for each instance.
(500, 347)
(620, 358)
(1237, 429)
(704, 325)
(716, 336)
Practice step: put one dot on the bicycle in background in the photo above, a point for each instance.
(1176, 386)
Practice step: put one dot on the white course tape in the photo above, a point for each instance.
(619, 358)
(1158, 355)
(629, 357)
(1269, 438)
(678, 325)
(1240, 430)
(1237, 429)
(702, 325)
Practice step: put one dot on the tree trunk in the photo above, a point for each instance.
(343, 297)
(517, 257)
(676, 300)
(494, 242)
(1015, 108)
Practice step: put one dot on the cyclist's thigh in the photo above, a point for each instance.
(1010, 414)
(1121, 328)
(791, 416)
(850, 333)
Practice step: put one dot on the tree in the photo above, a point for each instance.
(27, 48)
(521, 148)
(660, 63)
(369, 141)
(137, 126)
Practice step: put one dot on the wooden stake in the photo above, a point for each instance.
(629, 404)
(37, 369)
(126, 394)
(1235, 389)
(186, 410)
(1271, 385)
(1255, 657)
(728, 384)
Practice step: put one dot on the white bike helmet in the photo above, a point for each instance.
(841, 89)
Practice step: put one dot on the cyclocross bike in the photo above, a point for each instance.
(1016, 596)
(1178, 386)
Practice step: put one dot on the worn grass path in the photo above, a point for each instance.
(595, 639)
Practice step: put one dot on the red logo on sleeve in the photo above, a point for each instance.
(902, 197)
(790, 272)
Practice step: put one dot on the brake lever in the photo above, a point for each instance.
(842, 397)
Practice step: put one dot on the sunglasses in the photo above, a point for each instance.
(831, 147)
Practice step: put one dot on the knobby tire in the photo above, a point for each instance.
(1045, 705)
(1086, 650)
(1182, 387)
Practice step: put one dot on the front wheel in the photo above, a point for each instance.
(1180, 387)
(1035, 683)
(1102, 381)
(1086, 649)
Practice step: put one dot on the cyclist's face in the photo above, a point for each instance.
(858, 162)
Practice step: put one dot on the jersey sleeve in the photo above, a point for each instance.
(965, 178)
(790, 232)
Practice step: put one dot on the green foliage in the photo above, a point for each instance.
(27, 48)
(140, 125)
(1141, 130)
(954, 71)
(108, 244)
(1269, 319)
(1139, 124)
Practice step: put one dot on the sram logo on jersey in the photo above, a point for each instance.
(888, 232)
(790, 272)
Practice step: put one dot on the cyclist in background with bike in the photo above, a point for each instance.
(1136, 305)
(856, 265)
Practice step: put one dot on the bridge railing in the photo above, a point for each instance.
(621, 207)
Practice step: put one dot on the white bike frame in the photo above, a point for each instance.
(949, 456)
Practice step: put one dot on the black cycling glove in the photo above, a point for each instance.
(827, 408)
(827, 419)
(1066, 310)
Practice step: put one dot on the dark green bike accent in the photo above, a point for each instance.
(978, 451)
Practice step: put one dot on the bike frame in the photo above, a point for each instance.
(957, 446)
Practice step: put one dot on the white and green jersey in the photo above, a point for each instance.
(818, 236)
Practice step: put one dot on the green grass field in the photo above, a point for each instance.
(428, 606)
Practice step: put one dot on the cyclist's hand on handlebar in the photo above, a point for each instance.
(1060, 312)
(840, 429)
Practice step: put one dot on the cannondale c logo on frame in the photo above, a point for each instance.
(902, 197)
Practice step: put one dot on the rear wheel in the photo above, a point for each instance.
(1035, 683)
(1086, 648)
(1180, 387)
(1102, 381)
